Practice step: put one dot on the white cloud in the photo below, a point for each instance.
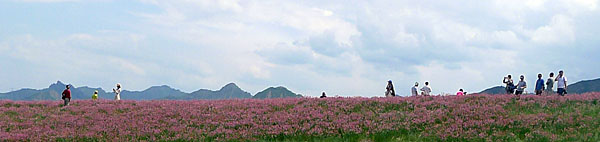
(559, 30)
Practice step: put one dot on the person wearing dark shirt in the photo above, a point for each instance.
(390, 90)
(510, 86)
(323, 95)
(66, 95)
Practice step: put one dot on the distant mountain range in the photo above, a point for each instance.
(584, 86)
(229, 91)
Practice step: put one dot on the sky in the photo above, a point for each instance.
(345, 48)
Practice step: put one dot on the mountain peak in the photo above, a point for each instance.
(230, 86)
(58, 85)
(276, 92)
(161, 87)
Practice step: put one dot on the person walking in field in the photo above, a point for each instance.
(426, 89)
(415, 89)
(95, 96)
(561, 83)
(117, 92)
(66, 95)
(521, 86)
(390, 89)
(539, 85)
(550, 84)
(510, 85)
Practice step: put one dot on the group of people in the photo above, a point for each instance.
(66, 94)
(541, 86)
(424, 91)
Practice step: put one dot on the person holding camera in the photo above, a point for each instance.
(561, 83)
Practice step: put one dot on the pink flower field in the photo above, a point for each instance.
(447, 118)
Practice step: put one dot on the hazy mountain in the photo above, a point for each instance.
(54, 91)
(494, 90)
(276, 92)
(584, 86)
(229, 91)
(152, 93)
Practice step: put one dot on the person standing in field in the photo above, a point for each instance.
(95, 96)
(539, 85)
(426, 89)
(550, 84)
(117, 92)
(510, 85)
(561, 83)
(66, 95)
(521, 86)
(323, 95)
(390, 89)
(460, 92)
(415, 89)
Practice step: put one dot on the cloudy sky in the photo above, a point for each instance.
(346, 48)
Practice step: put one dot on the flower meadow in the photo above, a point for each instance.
(438, 118)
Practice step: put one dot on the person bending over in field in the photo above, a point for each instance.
(95, 96)
(550, 84)
(460, 92)
(521, 86)
(117, 92)
(539, 85)
(390, 89)
(561, 83)
(415, 89)
(66, 95)
(510, 85)
(426, 89)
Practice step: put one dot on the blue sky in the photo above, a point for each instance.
(346, 48)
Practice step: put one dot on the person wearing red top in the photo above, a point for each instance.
(66, 96)
(460, 92)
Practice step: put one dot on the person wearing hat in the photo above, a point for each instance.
(95, 96)
(117, 92)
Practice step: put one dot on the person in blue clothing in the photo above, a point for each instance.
(539, 85)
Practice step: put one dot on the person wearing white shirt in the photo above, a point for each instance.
(426, 89)
(117, 92)
(561, 83)
(415, 89)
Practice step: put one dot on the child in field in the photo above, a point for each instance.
(95, 96)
